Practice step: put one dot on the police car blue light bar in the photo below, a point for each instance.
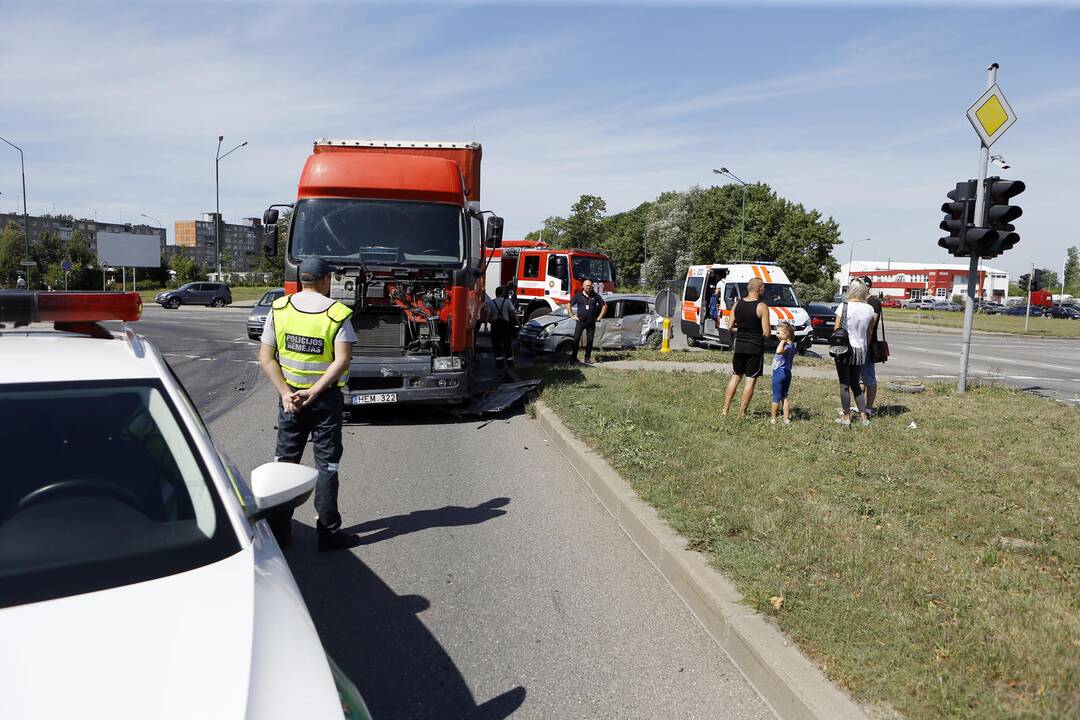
(69, 307)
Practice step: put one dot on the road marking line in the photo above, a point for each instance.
(930, 364)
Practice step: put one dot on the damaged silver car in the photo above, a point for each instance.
(630, 322)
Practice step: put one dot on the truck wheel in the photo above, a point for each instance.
(538, 312)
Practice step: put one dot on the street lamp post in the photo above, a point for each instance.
(851, 254)
(742, 228)
(26, 215)
(217, 199)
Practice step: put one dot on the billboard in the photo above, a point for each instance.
(129, 249)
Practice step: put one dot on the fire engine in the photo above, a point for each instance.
(402, 222)
(543, 278)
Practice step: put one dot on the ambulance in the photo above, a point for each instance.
(728, 283)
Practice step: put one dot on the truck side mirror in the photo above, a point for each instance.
(270, 238)
(494, 231)
(270, 217)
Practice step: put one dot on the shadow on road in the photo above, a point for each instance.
(449, 516)
(378, 640)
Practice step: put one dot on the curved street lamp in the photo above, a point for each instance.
(742, 229)
(26, 215)
(217, 199)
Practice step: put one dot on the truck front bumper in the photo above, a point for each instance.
(403, 380)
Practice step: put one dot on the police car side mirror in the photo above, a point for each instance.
(279, 486)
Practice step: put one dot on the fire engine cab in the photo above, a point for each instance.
(544, 278)
(704, 321)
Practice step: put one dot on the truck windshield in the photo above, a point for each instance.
(776, 295)
(592, 268)
(379, 232)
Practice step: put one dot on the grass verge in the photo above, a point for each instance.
(934, 570)
(1044, 327)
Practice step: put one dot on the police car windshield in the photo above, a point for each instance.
(100, 489)
(776, 295)
(378, 232)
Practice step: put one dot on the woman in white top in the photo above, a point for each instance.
(860, 322)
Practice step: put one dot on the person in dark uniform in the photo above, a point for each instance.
(305, 352)
(503, 323)
(749, 324)
(586, 307)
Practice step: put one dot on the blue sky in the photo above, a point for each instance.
(857, 110)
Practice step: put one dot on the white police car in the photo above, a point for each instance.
(136, 579)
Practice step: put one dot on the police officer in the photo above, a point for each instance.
(305, 352)
(503, 322)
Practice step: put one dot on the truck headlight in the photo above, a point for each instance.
(446, 363)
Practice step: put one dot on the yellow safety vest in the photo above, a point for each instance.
(305, 341)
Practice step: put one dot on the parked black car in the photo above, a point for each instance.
(1021, 310)
(257, 317)
(822, 316)
(1066, 312)
(214, 294)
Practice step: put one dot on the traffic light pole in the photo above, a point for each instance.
(973, 270)
(1028, 313)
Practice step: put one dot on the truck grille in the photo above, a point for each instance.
(379, 333)
(376, 383)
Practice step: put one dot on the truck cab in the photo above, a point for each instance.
(710, 292)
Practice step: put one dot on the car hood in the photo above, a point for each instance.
(182, 646)
(544, 320)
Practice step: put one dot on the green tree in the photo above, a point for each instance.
(185, 267)
(12, 249)
(583, 228)
(1072, 270)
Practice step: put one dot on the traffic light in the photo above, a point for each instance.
(1036, 280)
(996, 234)
(959, 214)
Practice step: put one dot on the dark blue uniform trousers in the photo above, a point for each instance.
(321, 419)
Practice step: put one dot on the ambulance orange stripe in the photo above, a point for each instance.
(757, 273)
(765, 272)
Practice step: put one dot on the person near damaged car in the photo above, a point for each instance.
(587, 308)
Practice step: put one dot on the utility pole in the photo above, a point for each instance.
(26, 215)
(973, 267)
(742, 227)
(1028, 313)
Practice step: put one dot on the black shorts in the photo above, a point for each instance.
(748, 364)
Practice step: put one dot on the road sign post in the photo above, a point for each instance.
(664, 303)
(991, 116)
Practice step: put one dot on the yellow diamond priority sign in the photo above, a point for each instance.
(991, 115)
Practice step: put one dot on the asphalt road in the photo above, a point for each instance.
(490, 582)
(1045, 366)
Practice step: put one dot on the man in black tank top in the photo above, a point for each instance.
(749, 325)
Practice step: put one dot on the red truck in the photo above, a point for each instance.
(544, 278)
(403, 223)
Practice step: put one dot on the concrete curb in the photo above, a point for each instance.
(786, 679)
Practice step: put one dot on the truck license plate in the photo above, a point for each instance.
(376, 398)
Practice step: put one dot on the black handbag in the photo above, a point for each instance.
(839, 342)
(879, 349)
